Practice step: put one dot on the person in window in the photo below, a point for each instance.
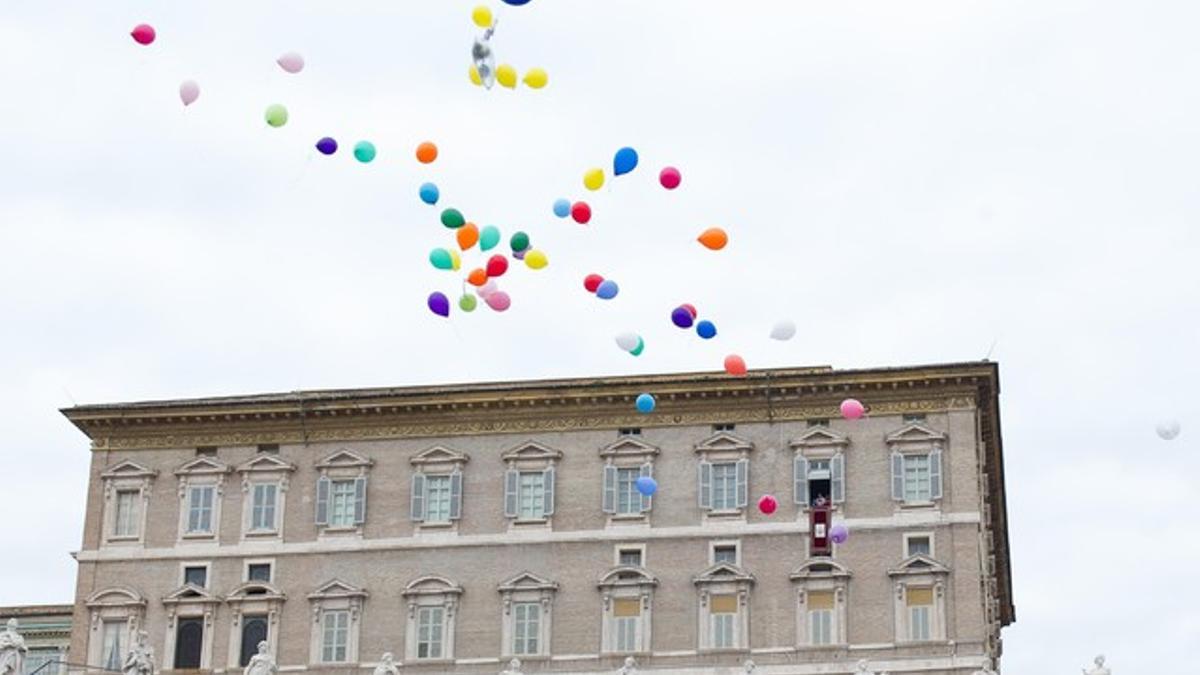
(12, 650)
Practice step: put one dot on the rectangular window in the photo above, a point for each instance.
(820, 618)
(627, 613)
(429, 633)
(335, 625)
(206, 451)
(437, 499)
(630, 556)
(920, 608)
(629, 500)
(200, 509)
(197, 576)
(724, 427)
(913, 417)
(629, 431)
(268, 448)
(126, 519)
(818, 422)
(341, 503)
(113, 651)
(532, 495)
(820, 481)
(36, 658)
(725, 553)
(724, 486)
(916, 478)
(527, 618)
(262, 516)
(919, 546)
(724, 612)
(259, 572)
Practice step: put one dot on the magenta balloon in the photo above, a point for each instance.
(498, 301)
(670, 178)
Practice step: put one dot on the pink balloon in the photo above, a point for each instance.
(852, 409)
(498, 301)
(143, 34)
(670, 178)
(487, 289)
(767, 504)
(291, 62)
(189, 91)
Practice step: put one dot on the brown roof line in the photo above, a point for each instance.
(35, 610)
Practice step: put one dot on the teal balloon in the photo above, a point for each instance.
(441, 259)
(453, 219)
(645, 403)
(489, 236)
(637, 351)
(626, 160)
(364, 151)
(519, 242)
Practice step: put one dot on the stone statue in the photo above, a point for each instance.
(12, 650)
(261, 663)
(514, 668)
(630, 667)
(750, 666)
(387, 665)
(140, 659)
(862, 668)
(1100, 668)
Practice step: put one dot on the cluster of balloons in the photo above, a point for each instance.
(483, 72)
(631, 342)
(684, 316)
(852, 409)
(605, 289)
(645, 403)
(579, 211)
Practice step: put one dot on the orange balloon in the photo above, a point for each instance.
(426, 152)
(477, 277)
(467, 236)
(714, 238)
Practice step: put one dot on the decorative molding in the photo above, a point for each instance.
(533, 451)
(819, 437)
(440, 454)
(265, 464)
(724, 442)
(629, 447)
(345, 459)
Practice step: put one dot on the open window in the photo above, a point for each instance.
(819, 471)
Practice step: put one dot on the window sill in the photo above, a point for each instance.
(261, 534)
(338, 532)
(918, 506)
(525, 658)
(124, 539)
(443, 529)
(629, 519)
(447, 661)
(198, 536)
(723, 650)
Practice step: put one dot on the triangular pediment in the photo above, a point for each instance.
(820, 568)
(344, 458)
(336, 588)
(817, 437)
(532, 450)
(202, 466)
(919, 564)
(723, 441)
(439, 454)
(264, 464)
(129, 469)
(528, 581)
(723, 572)
(189, 593)
(915, 433)
(628, 446)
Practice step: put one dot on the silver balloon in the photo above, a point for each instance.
(784, 330)
(627, 341)
(485, 60)
(1167, 429)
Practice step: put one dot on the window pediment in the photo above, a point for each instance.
(255, 590)
(629, 447)
(128, 469)
(527, 581)
(627, 575)
(431, 585)
(266, 464)
(820, 568)
(724, 443)
(440, 455)
(115, 597)
(534, 451)
(918, 564)
(190, 593)
(345, 459)
(723, 573)
(337, 589)
(819, 437)
(203, 466)
(915, 434)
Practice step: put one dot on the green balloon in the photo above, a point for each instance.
(520, 241)
(488, 238)
(636, 351)
(364, 151)
(441, 259)
(276, 115)
(467, 302)
(453, 218)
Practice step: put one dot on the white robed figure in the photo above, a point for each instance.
(262, 663)
(1099, 669)
(12, 650)
(140, 659)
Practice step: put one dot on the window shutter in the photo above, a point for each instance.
(800, 478)
(455, 495)
(647, 500)
(323, 500)
(610, 489)
(837, 482)
(743, 468)
(935, 474)
(510, 493)
(704, 487)
(548, 490)
(897, 476)
(417, 508)
(360, 500)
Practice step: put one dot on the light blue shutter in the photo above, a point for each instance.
(548, 491)
(417, 503)
(323, 500)
(609, 504)
(360, 500)
(837, 482)
(510, 493)
(455, 495)
(704, 484)
(743, 468)
(800, 477)
(897, 476)
(935, 474)
(647, 500)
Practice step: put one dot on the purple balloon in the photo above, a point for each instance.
(520, 255)
(681, 317)
(439, 304)
(327, 146)
(839, 534)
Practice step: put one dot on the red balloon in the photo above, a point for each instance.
(690, 308)
(581, 212)
(670, 178)
(592, 281)
(767, 504)
(734, 365)
(497, 265)
(143, 33)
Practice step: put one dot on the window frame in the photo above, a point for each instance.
(632, 454)
(906, 549)
(821, 575)
(723, 447)
(619, 549)
(205, 565)
(735, 544)
(431, 591)
(437, 462)
(264, 469)
(341, 468)
(200, 474)
(623, 583)
(524, 589)
(248, 563)
(915, 439)
(331, 633)
(920, 572)
(130, 477)
(336, 597)
(723, 580)
(528, 458)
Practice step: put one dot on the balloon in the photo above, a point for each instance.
(453, 218)
(143, 34)
(735, 365)
(562, 208)
(624, 161)
(646, 485)
(189, 91)
(429, 193)
(681, 317)
(691, 309)
(482, 16)
(607, 290)
(628, 341)
(581, 212)
(439, 304)
(291, 62)
(441, 259)
(516, 3)
(592, 281)
(645, 403)
(477, 277)
(670, 178)
(426, 152)
(455, 261)
(706, 330)
(535, 78)
(328, 146)
(593, 179)
(487, 289)
(1167, 429)
(519, 241)
(838, 534)
(488, 238)
(364, 151)
(467, 302)
(536, 260)
(767, 504)
(498, 301)
(783, 330)
(637, 351)
(852, 409)
(473, 73)
(276, 115)
(506, 75)
(497, 265)
(714, 238)
(467, 236)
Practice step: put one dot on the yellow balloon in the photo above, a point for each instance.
(593, 179)
(506, 75)
(455, 261)
(536, 260)
(482, 16)
(474, 74)
(536, 78)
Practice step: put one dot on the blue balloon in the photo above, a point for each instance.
(516, 3)
(646, 485)
(562, 208)
(625, 161)
(681, 317)
(607, 290)
(429, 193)
(645, 403)
(706, 329)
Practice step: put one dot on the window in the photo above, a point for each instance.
(920, 607)
(113, 653)
(200, 509)
(265, 480)
(723, 427)
(196, 575)
(128, 517)
(627, 616)
(629, 500)
(531, 495)
(206, 451)
(189, 643)
(627, 596)
(819, 480)
(432, 613)
(629, 431)
(342, 493)
(127, 489)
(526, 627)
(37, 658)
(429, 632)
(259, 572)
(437, 499)
(724, 486)
(335, 626)
(916, 463)
(527, 602)
(254, 631)
(529, 485)
(820, 618)
(268, 448)
(818, 422)
(916, 478)
(820, 602)
(725, 553)
(262, 516)
(341, 503)
(724, 613)
(722, 475)
(914, 417)
(631, 557)
(918, 545)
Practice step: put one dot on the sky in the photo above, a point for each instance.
(915, 182)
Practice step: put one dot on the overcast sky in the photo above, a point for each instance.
(911, 182)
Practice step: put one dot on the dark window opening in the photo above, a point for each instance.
(629, 431)
(189, 637)
(724, 427)
(268, 448)
(631, 556)
(206, 451)
(197, 576)
(254, 631)
(725, 554)
(818, 423)
(819, 489)
(914, 417)
(259, 572)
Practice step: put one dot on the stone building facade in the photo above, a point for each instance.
(46, 630)
(459, 527)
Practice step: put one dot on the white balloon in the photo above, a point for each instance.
(1167, 429)
(189, 91)
(291, 62)
(784, 330)
(627, 341)
(487, 289)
